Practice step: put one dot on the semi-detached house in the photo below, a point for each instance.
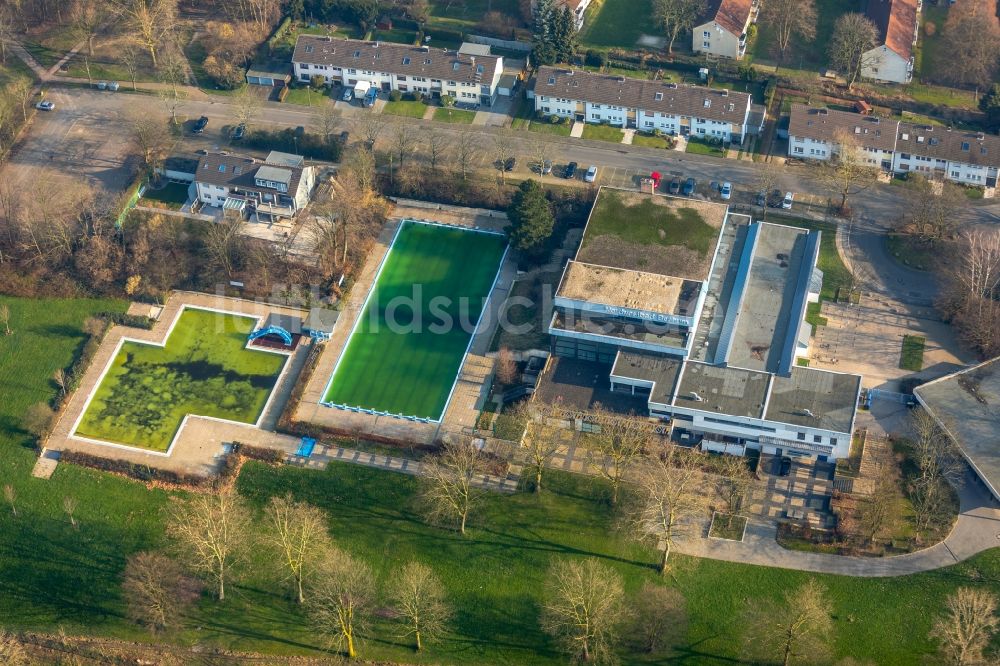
(898, 24)
(470, 79)
(641, 104)
(963, 156)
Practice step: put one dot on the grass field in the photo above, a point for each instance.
(912, 356)
(203, 369)
(611, 23)
(407, 349)
(172, 195)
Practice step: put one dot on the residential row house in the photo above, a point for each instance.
(469, 78)
(963, 156)
(279, 186)
(645, 105)
(724, 28)
(898, 24)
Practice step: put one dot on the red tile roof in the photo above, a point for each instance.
(896, 21)
(730, 14)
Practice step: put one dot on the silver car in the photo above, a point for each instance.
(591, 174)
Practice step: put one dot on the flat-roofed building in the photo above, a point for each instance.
(966, 405)
(700, 313)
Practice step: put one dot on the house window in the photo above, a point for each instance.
(705, 34)
(455, 66)
(965, 145)
(833, 441)
(658, 96)
(817, 439)
(801, 436)
(406, 61)
(357, 54)
(222, 168)
(954, 174)
(705, 45)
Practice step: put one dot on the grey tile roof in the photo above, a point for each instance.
(398, 59)
(697, 101)
(949, 144)
(240, 171)
(821, 123)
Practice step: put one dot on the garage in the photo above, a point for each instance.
(257, 77)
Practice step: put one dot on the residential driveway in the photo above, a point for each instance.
(497, 115)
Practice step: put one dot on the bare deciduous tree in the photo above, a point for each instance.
(86, 18)
(850, 171)
(10, 495)
(853, 37)
(972, 36)
(371, 127)
(967, 626)
(795, 630)
(677, 16)
(931, 209)
(128, 56)
(212, 534)
(5, 319)
(151, 138)
(668, 497)
(300, 537)
(878, 509)
(419, 599)
(466, 152)
(342, 600)
(735, 482)
(583, 607)
(937, 465)
(326, 118)
(157, 591)
(224, 240)
(59, 377)
(618, 442)
(246, 105)
(506, 366)
(69, 506)
(449, 492)
(21, 90)
(789, 18)
(540, 441)
(149, 22)
(972, 281)
(660, 617)
(437, 143)
(503, 151)
(404, 136)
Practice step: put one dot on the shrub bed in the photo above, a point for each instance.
(290, 141)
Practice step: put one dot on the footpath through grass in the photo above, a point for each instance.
(405, 354)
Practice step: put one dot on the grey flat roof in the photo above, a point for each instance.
(732, 391)
(773, 296)
(321, 319)
(274, 174)
(279, 158)
(815, 399)
(967, 405)
(656, 368)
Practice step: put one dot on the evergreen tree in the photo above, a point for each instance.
(530, 218)
(564, 34)
(990, 105)
(544, 52)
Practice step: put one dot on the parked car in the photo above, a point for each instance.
(344, 136)
(760, 199)
(786, 203)
(239, 131)
(46, 106)
(713, 188)
(689, 186)
(675, 186)
(726, 191)
(371, 96)
(200, 125)
(785, 467)
(591, 174)
(570, 171)
(775, 199)
(510, 164)
(546, 167)
(348, 95)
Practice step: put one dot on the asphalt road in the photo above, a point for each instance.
(87, 133)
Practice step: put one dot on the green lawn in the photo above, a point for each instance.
(404, 356)
(397, 36)
(912, 356)
(545, 127)
(611, 23)
(664, 225)
(305, 96)
(602, 133)
(649, 141)
(810, 55)
(912, 251)
(410, 108)
(203, 369)
(835, 273)
(457, 116)
(53, 576)
(728, 526)
(932, 55)
(465, 14)
(699, 147)
(172, 196)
